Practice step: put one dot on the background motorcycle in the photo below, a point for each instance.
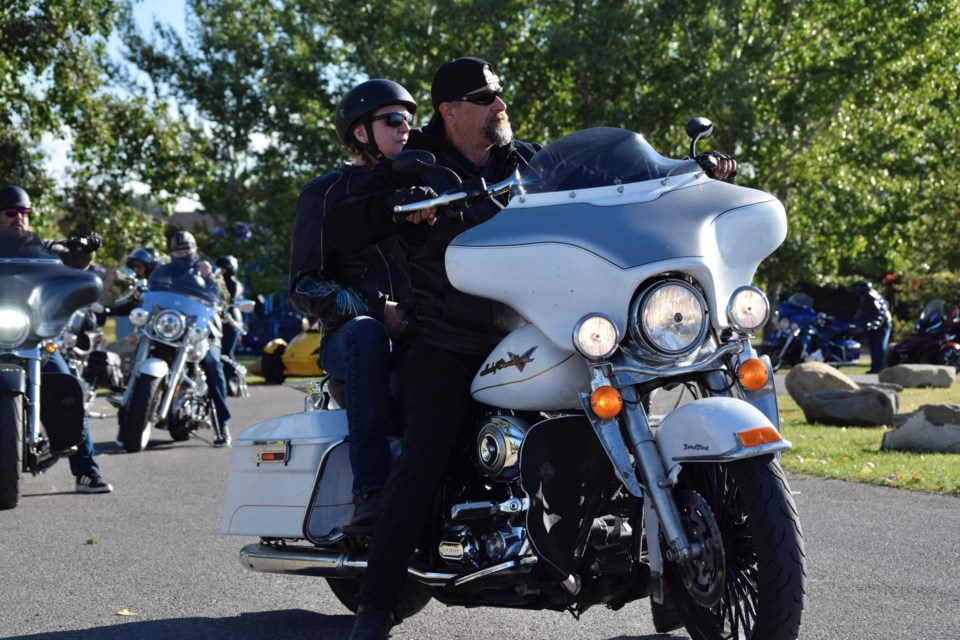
(934, 340)
(803, 335)
(633, 272)
(167, 388)
(39, 295)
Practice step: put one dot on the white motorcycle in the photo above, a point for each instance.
(633, 272)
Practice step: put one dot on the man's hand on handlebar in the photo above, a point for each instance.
(719, 166)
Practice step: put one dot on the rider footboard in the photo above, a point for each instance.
(273, 470)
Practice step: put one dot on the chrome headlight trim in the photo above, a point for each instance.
(670, 317)
(196, 333)
(139, 317)
(169, 324)
(595, 336)
(748, 309)
(197, 350)
(14, 327)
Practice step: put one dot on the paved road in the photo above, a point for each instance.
(883, 563)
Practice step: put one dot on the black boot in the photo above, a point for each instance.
(364, 514)
(372, 624)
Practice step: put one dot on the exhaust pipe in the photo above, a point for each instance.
(311, 561)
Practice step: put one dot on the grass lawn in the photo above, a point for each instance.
(853, 453)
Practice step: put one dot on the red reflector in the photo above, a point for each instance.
(271, 457)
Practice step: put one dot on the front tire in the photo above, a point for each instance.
(137, 424)
(413, 595)
(11, 449)
(751, 584)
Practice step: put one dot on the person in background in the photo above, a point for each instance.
(228, 266)
(874, 320)
(355, 289)
(15, 213)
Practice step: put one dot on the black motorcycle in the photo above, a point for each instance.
(39, 296)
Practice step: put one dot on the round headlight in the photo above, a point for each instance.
(197, 350)
(785, 324)
(139, 317)
(672, 317)
(595, 337)
(748, 309)
(14, 326)
(169, 325)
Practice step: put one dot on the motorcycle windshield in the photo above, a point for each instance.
(185, 283)
(933, 311)
(190, 306)
(596, 158)
(32, 277)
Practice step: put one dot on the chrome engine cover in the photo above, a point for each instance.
(498, 447)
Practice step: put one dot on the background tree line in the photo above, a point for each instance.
(846, 111)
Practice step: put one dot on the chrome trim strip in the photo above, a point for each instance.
(730, 348)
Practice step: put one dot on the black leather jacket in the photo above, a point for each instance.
(442, 315)
(335, 281)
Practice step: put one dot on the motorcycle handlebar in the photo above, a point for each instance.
(458, 197)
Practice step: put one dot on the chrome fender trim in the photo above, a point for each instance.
(154, 367)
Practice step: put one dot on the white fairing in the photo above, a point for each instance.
(555, 257)
(270, 499)
(528, 372)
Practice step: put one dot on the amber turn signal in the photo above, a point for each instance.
(606, 402)
(50, 347)
(753, 374)
(759, 435)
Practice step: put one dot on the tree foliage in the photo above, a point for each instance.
(843, 110)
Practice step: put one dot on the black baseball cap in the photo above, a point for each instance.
(459, 77)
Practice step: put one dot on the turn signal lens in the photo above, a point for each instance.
(606, 402)
(50, 347)
(759, 435)
(753, 374)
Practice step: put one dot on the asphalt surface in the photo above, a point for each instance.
(882, 563)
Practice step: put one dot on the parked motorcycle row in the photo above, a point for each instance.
(802, 335)
(48, 307)
(570, 491)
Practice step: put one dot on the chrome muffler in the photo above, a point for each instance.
(311, 561)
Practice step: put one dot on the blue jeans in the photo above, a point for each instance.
(359, 354)
(877, 342)
(82, 462)
(216, 384)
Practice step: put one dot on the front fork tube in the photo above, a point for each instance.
(143, 350)
(32, 435)
(176, 372)
(643, 445)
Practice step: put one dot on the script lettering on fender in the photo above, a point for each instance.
(696, 447)
(515, 361)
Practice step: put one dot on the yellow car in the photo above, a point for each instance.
(298, 358)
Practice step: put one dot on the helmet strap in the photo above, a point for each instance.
(370, 146)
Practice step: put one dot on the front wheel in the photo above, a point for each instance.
(140, 415)
(11, 449)
(749, 581)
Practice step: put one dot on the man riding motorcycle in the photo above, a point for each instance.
(15, 213)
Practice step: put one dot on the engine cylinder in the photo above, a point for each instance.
(498, 447)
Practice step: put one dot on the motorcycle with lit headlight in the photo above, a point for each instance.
(629, 447)
(167, 389)
(38, 296)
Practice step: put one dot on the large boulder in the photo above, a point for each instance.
(863, 407)
(808, 377)
(919, 375)
(933, 427)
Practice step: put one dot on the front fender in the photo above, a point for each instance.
(706, 431)
(154, 367)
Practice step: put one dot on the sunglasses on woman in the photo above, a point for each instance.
(16, 211)
(394, 119)
(482, 97)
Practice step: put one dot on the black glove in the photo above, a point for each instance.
(406, 196)
(89, 242)
(710, 162)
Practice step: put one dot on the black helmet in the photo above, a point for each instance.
(228, 263)
(862, 288)
(13, 197)
(366, 98)
(144, 257)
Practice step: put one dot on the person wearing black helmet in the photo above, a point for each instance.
(15, 213)
(874, 320)
(228, 266)
(354, 291)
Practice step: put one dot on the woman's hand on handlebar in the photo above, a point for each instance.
(424, 215)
